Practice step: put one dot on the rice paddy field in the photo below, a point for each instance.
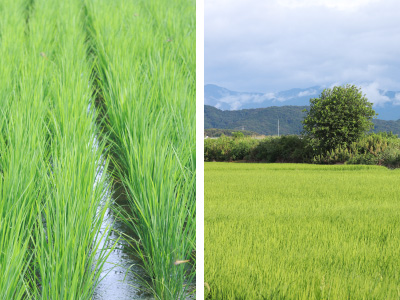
(297, 231)
(84, 85)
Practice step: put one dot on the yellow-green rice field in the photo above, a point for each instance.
(297, 231)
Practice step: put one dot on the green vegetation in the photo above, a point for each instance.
(215, 132)
(237, 134)
(294, 231)
(265, 120)
(260, 120)
(335, 128)
(65, 250)
(269, 149)
(386, 126)
(52, 188)
(21, 158)
(338, 118)
(383, 149)
(149, 109)
(378, 149)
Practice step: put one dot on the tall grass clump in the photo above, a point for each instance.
(22, 155)
(146, 76)
(297, 231)
(372, 149)
(67, 229)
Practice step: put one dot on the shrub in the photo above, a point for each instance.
(228, 149)
(379, 149)
(237, 134)
(289, 148)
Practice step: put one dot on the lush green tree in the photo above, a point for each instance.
(338, 117)
(237, 134)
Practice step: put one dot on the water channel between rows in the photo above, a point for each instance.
(121, 273)
(119, 278)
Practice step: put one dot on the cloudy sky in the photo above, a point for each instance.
(273, 45)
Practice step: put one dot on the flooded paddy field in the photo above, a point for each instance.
(59, 235)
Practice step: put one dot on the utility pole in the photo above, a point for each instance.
(278, 127)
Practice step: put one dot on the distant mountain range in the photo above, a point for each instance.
(386, 103)
(265, 120)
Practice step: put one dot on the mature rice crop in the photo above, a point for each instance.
(294, 231)
(146, 75)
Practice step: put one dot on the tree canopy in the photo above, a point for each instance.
(339, 116)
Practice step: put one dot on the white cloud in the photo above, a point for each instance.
(269, 96)
(307, 93)
(234, 102)
(237, 101)
(283, 99)
(236, 105)
(372, 90)
(396, 100)
(261, 98)
(344, 5)
(374, 94)
(276, 45)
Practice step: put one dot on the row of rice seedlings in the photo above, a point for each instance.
(146, 68)
(295, 231)
(65, 248)
(22, 153)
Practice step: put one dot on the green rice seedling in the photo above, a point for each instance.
(145, 55)
(22, 152)
(67, 236)
(296, 231)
